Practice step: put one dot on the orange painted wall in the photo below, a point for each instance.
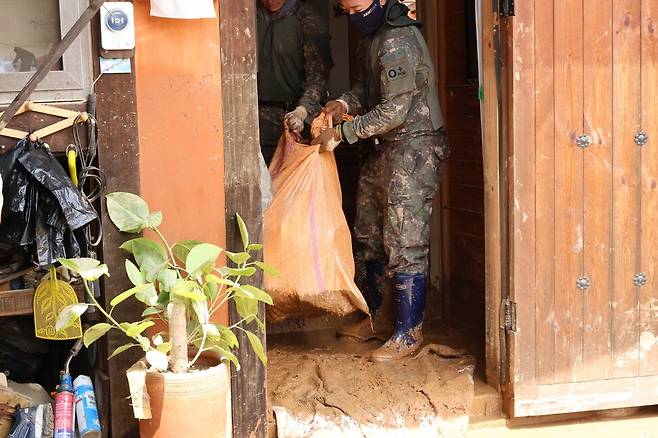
(178, 82)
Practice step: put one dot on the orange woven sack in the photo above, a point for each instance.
(306, 236)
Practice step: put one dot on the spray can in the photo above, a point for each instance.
(64, 403)
(85, 408)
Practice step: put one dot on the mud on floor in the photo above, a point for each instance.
(320, 385)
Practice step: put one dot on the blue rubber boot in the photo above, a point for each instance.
(410, 298)
(373, 293)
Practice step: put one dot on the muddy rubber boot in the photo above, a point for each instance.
(366, 329)
(410, 297)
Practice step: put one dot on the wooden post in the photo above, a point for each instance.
(242, 188)
(118, 156)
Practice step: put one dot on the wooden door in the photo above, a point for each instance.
(584, 210)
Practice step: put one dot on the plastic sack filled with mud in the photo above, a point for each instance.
(306, 236)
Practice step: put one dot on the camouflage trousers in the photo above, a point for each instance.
(270, 125)
(394, 203)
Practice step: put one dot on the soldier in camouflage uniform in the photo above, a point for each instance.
(396, 97)
(294, 60)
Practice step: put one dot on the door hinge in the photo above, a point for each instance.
(509, 315)
(506, 8)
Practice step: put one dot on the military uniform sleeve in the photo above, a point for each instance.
(317, 60)
(398, 59)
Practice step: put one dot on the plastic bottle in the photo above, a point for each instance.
(85, 408)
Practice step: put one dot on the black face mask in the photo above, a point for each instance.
(368, 22)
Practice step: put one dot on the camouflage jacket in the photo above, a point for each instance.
(396, 91)
(294, 56)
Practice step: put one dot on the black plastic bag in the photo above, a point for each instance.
(41, 164)
(42, 207)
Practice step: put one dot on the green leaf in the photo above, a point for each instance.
(94, 332)
(165, 347)
(128, 212)
(121, 349)
(202, 313)
(244, 234)
(144, 342)
(88, 268)
(228, 336)
(238, 258)
(128, 245)
(183, 248)
(150, 257)
(152, 311)
(268, 269)
(137, 329)
(148, 295)
(211, 278)
(167, 279)
(134, 274)
(245, 306)
(127, 294)
(202, 258)
(228, 355)
(259, 323)
(163, 298)
(154, 220)
(68, 315)
(211, 290)
(188, 289)
(257, 293)
(254, 247)
(257, 346)
(238, 272)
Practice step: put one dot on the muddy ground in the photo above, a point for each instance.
(321, 385)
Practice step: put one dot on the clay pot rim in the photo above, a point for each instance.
(216, 366)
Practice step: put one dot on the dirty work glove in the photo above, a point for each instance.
(336, 109)
(294, 120)
(329, 139)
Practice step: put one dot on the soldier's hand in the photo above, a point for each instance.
(336, 109)
(328, 140)
(294, 120)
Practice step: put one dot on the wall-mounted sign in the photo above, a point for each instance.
(117, 26)
(183, 8)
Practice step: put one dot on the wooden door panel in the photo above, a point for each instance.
(568, 70)
(584, 216)
(598, 124)
(649, 193)
(545, 162)
(625, 194)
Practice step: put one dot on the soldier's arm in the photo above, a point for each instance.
(398, 59)
(317, 60)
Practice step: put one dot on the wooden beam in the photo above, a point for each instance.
(118, 156)
(241, 185)
(53, 56)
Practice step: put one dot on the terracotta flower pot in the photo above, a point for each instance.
(195, 404)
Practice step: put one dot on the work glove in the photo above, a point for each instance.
(294, 120)
(329, 139)
(336, 109)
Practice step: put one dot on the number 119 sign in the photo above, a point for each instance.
(117, 26)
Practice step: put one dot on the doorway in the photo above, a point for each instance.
(304, 353)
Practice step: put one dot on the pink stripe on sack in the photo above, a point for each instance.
(314, 241)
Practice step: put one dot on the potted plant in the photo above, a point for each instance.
(181, 288)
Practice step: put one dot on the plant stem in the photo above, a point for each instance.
(171, 253)
(99, 307)
(178, 336)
